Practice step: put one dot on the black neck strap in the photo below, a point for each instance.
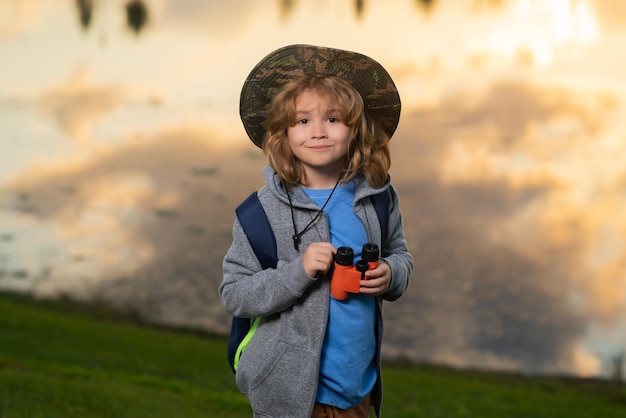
(297, 236)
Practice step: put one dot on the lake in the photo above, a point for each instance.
(122, 158)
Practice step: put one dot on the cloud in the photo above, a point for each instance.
(77, 103)
(518, 246)
(18, 17)
(127, 215)
(513, 235)
(610, 13)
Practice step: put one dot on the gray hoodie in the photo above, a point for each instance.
(278, 372)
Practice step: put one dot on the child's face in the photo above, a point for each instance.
(319, 139)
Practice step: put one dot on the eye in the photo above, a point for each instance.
(302, 121)
(333, 119)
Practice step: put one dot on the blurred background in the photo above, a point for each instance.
(122, 158)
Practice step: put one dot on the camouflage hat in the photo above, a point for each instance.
(368, 77)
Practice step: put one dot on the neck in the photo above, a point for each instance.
(298, 235)
(323, 180)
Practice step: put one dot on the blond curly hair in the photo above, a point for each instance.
(368, 152)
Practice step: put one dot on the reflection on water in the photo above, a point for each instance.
(85, 12)
(136, 13)
(123, 158)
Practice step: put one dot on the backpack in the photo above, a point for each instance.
(256, 226)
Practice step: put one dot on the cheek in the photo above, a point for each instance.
(348, 137)
(291, 138)
(291, 142)
(295, 137)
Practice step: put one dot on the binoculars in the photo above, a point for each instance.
(347, 275)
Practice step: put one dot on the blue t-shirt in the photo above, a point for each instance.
(347, 367)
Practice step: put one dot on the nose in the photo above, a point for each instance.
(318, 131)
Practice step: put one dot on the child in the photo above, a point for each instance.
(323, 118)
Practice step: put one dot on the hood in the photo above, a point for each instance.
(300, 198)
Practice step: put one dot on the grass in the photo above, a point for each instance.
(60, 359)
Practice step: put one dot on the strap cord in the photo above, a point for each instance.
(297, 236)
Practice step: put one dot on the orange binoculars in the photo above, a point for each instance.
(347, 275)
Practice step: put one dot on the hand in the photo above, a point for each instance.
(318, 258)
(377, 281)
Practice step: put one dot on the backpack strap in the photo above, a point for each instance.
(381, 204)
(255, 224)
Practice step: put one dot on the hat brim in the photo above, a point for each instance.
(380, 95)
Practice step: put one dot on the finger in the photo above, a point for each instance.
(324, 261)
(379, 271)
(372, 283)
(371, 290)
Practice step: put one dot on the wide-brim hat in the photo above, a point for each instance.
(368, 77)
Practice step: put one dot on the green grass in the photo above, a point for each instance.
(59, 359)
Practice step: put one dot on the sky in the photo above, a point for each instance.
(122, 158)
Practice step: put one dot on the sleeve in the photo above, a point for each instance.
(396, 251)
(249, 291)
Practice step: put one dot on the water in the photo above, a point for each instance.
(122, 158)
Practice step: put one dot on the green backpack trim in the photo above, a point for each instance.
(244, 343)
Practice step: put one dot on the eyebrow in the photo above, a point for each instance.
(328, 112)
